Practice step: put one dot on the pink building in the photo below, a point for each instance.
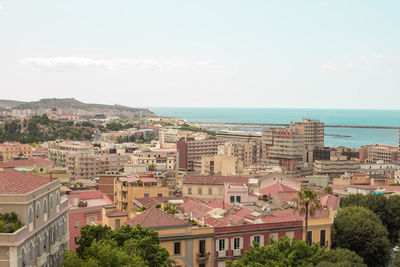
(85, 208)
(238, 193)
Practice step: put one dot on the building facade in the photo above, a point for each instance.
(43, 213)
(15, 150)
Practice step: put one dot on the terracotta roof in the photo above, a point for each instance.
(25, 162)
(155, 218)
(329, 201)
(116, 213)
(322, 213)
(219, 203)
(215, 180)
(154, 201)
(16, 182)
(286, 196)
(90, 194)
(275, 188)
(279, 219)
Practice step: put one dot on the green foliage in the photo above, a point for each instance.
(342, 258)
(361, 230)
(286, 252)
(388, 210)
(307, 203)
(9, 223)
(126, 246)
(152, 167)
(187, 127)
(328, 190)
(41, 128)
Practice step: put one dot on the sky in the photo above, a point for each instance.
(203, 53)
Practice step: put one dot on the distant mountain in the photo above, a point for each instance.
(8, 104)
(71, 103)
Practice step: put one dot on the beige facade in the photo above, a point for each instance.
(313, 131)
(11, 150)
(127, 189)
(379, 153)
(44, 235)
(336, 166)
(163, 159)
(221, 165)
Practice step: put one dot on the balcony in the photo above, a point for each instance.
(41, 261)
(203, 257)
(54, 247)
(237, 252)
(222, 254)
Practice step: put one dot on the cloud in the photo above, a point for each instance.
(1, 7)
(207, 64)
(81, 63)
(349, 66)
(328, 66)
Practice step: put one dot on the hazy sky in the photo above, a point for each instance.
(228, 53)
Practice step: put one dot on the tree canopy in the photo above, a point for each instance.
(388, 210)
(360, 230)
(291, 253)
(126, 246)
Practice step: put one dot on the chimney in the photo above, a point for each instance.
(202, 221)
(51, 176)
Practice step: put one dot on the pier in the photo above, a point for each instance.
(267, 125)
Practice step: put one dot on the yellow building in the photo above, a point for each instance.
(186, 244)
(126, 189)
(113, 217)
(221, 165)
(12, 150)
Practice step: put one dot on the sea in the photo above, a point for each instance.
(355, 137)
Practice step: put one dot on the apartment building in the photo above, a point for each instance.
(187, 245)
(209, 187)
(221, 165)
(352, 179)
(250, 152)
(38, 204)
(126, 189)
(163, 159)
(168, 136)
(85, 209)
(190, 152)
(284, 147)
(336, 167)
(313, 131)
(14, 150)
(379, 152)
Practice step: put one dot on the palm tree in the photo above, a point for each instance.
(307, 203)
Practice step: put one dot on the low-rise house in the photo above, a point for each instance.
(85, 209)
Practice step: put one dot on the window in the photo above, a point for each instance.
(37, 210)
(290, 235)
(221, 243)
(237, 199)
(57, 198)
(189, 190)
(202, 247)
(63, 226)
(45, 206)
(232, 199)
(38, 246)
(159, 194)
(199, 190)
(117, 223)
(77, 223)
(30, 252)
(30, 215)
(322, 238)
(77, 239)
(236, 243)
(257, 239)
(91, 220)
(177, 248)
(202, 265)
(58, 231)
(274, 236)
(45, 241)
(23, 257)
(146, 195)
(309, 237)
(51, 202)
(210, 191)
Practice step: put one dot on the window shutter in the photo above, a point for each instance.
(241, 243)
(217, 244)
(232, 243)
(261, 240)
(251, 240)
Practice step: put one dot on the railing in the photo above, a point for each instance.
(203, 257)
(221, 254)
(237, 252)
